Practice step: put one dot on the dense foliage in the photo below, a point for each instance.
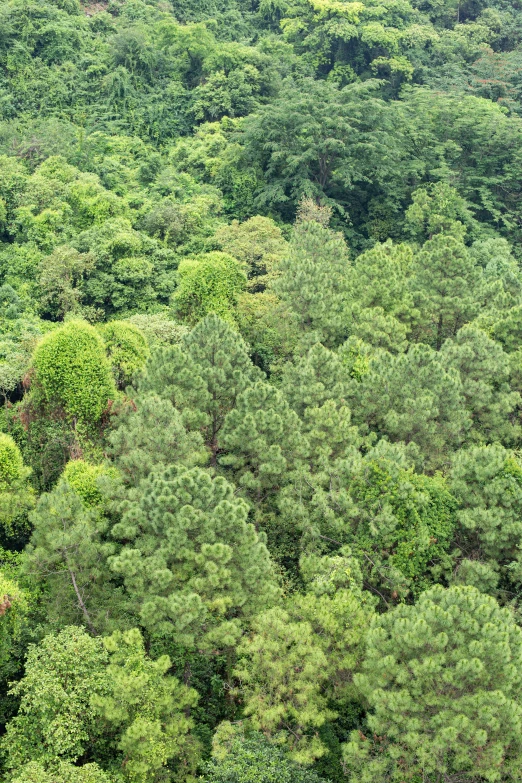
(260, 391)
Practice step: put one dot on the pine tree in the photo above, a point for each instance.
(173, 375)
(339, 612)
(414, 398)
(446, 285)
(203, 377)
(484, 370)
(67, 555)
(443, 681)
(262, 441)
(508, 329)
(283, 672)
(151, 433)
(380, 279)
(318, 386)
(193, 568)
(379, 329)
(332, 437)
(315, 378)
(503, 285)
(487, 482)
(300, 659)
(315, 281)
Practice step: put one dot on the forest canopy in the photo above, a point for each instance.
(260, 391)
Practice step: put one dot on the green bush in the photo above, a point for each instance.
(127, 350)
(64, 772)
(251, 759)
(83, 478)
(210, 283)
(16, 494)
(72, 373)
(11, 463)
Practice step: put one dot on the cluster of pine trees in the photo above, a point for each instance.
(260, 391)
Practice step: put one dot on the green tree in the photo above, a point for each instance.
(249, 758)
(315, 281)
(72, 374)
(403, 526)
(442, 681)
(15, 606)
(55, 721)
(16, 494)
(210, 283)
(258, 243)
(398, 523)
(84, 479)
(193, 567)
(480, 148)
(132, 271)
(346, 42)
(485, 373)
(85, 698)
(203, 377)
(147, 709)
(438, 209)
(126, 348)
(317, 140)
(63, 772)
(269, 328)
(60, 279)
(487, 482)
(446, 285)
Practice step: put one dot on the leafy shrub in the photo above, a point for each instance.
(127, 350)
(72, 372)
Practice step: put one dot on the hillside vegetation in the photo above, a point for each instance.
(261, 391)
